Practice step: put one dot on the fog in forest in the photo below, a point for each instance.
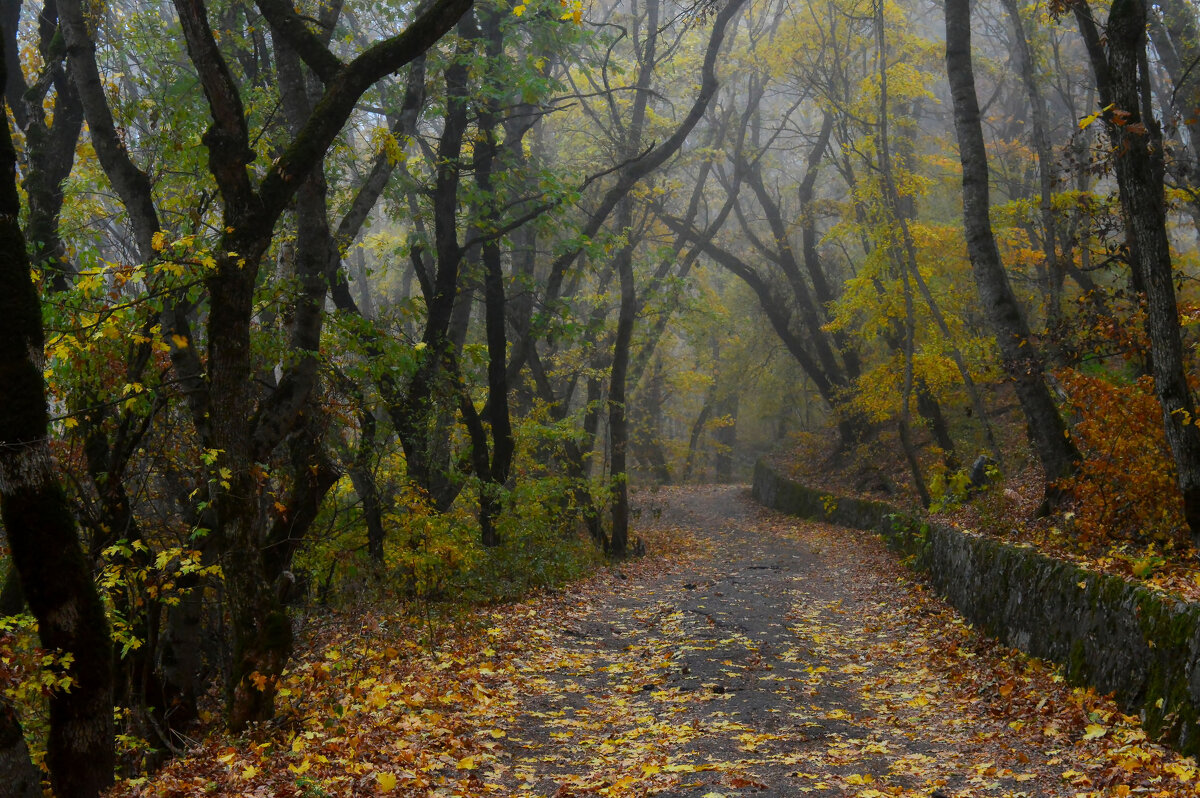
(336, 302)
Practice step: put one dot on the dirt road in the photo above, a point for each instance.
(785, 658)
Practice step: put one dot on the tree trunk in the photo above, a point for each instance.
(1123, 82)
(902, 211)
(503, 446)
(1053, 271)
(1177, 40)
(725, 437)
(618, 406)
(698, 427)
(17, 772)
(618, 421)
(1057, 453)
(49, 149)
(931, 411)
(421, 415)
(363, 479)
(645, 439)
(45, 544)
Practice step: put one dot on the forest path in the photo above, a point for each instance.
(790, 658)
(751, 654)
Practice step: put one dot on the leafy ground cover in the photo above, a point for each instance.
(1159, 557)
(753, 654)
(1007, 511)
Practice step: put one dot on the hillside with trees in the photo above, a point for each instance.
(332, 307)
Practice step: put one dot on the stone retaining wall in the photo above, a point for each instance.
(1140, 645)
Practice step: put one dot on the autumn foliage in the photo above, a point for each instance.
(1119, 428)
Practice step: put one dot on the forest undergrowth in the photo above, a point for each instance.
(404, 697)
(1118, 515)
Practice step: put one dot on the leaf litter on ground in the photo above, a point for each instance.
(665, 677)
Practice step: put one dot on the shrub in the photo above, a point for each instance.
(1126, 487)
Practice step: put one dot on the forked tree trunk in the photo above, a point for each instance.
(493, 471)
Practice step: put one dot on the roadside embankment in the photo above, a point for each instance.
(1121, 638)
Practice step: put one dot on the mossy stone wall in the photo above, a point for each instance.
(1140, 645)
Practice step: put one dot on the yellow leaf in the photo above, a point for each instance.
(250, 772)
(519, 10)
(466, 763)
(180, 341)
(158, 241)
(387, 781)
(1180, 771)
(1094, 731)
(1086, 121)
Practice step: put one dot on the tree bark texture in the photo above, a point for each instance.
(46, 550)
(17, 772)
(1057, 453)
